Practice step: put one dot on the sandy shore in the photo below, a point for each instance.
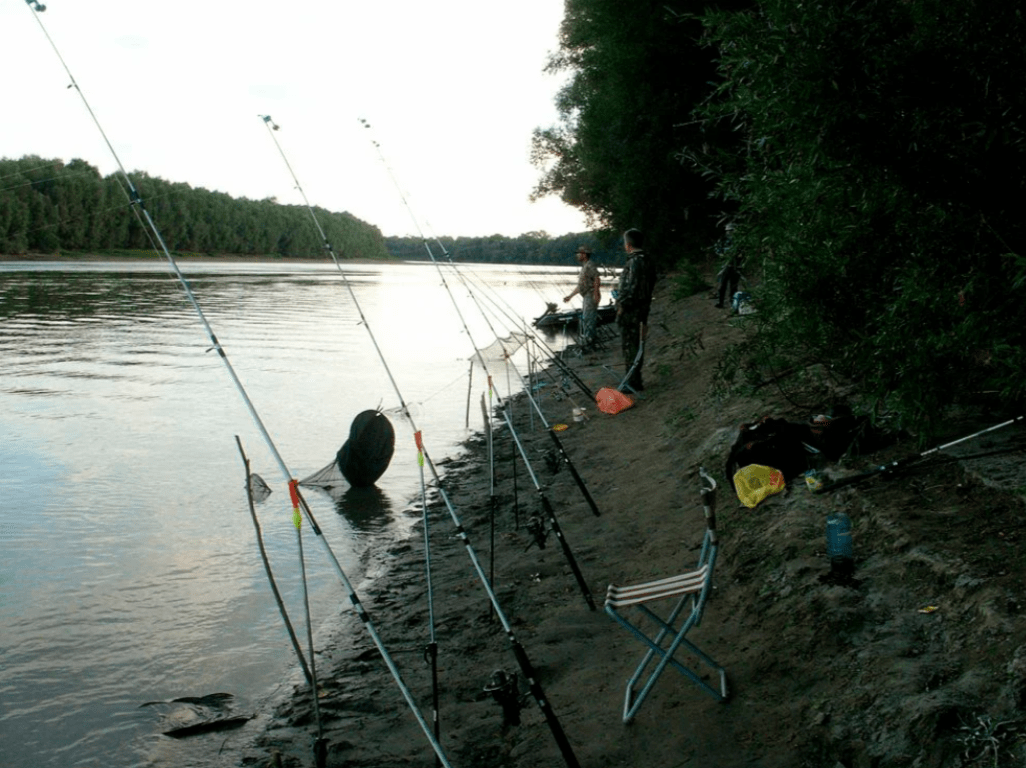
(579, 654)
(821, 674)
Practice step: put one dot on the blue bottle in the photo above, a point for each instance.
(838, 540)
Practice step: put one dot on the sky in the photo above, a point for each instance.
(451, 89)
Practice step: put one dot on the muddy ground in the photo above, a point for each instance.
(920, 660)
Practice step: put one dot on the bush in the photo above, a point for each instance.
(880, 189)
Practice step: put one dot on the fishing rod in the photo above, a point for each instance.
(519, 652)
(550, 354)
(298, 502)
(637, 361)
(552, 359)
(320, 744)
(561, 451)
(493, 500)
(431, 649)
(895, 466)
(546, 504)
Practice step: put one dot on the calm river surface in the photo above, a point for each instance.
(129, 571)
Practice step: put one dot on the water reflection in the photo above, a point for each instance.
(368, 510)
(129, 570)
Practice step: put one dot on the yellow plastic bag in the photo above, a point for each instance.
(755, 482)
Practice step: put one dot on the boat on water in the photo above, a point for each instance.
(571, 318)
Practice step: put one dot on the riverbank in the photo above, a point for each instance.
(920, 661)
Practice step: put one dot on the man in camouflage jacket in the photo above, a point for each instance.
(633, 300)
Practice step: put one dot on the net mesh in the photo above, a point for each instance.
(258, 489)
(501, 350)
(327, 479)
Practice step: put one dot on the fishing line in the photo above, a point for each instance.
(543, 370)
(551, 355)
(445, 388)
(27, 170)
(546, 504)
(95, 212)
(518, 650)
(32, 182)
(564, 456)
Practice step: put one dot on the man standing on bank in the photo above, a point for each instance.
(588, 283)
(633, 300)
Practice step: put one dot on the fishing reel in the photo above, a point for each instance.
(37, 6)
(505, 689)
(536, 527)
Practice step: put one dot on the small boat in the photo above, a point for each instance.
(555, 320)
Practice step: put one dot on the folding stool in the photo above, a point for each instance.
(690, 587)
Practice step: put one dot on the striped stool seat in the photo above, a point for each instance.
(690, 590)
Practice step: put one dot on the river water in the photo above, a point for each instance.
(129, 571)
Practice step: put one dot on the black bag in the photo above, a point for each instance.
(835, 433)
(772, 442)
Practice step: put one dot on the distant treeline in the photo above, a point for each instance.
(47, 206)
(529, 248)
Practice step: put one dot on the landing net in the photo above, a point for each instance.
(258, 489)
(327, 479)
(501, 350)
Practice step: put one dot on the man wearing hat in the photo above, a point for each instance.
(588, 283)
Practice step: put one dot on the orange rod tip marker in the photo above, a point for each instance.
(418, 438)
(297, 519)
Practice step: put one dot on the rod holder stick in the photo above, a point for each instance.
(470, 387)
(267, 568)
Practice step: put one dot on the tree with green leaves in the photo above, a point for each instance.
(880, 190)
(47, 206)
(636, 72)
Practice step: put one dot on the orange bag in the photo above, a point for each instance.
(613, 401)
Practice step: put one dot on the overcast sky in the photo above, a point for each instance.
(451, 88)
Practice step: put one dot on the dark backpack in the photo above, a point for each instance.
(836, 433)
(772, 442)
